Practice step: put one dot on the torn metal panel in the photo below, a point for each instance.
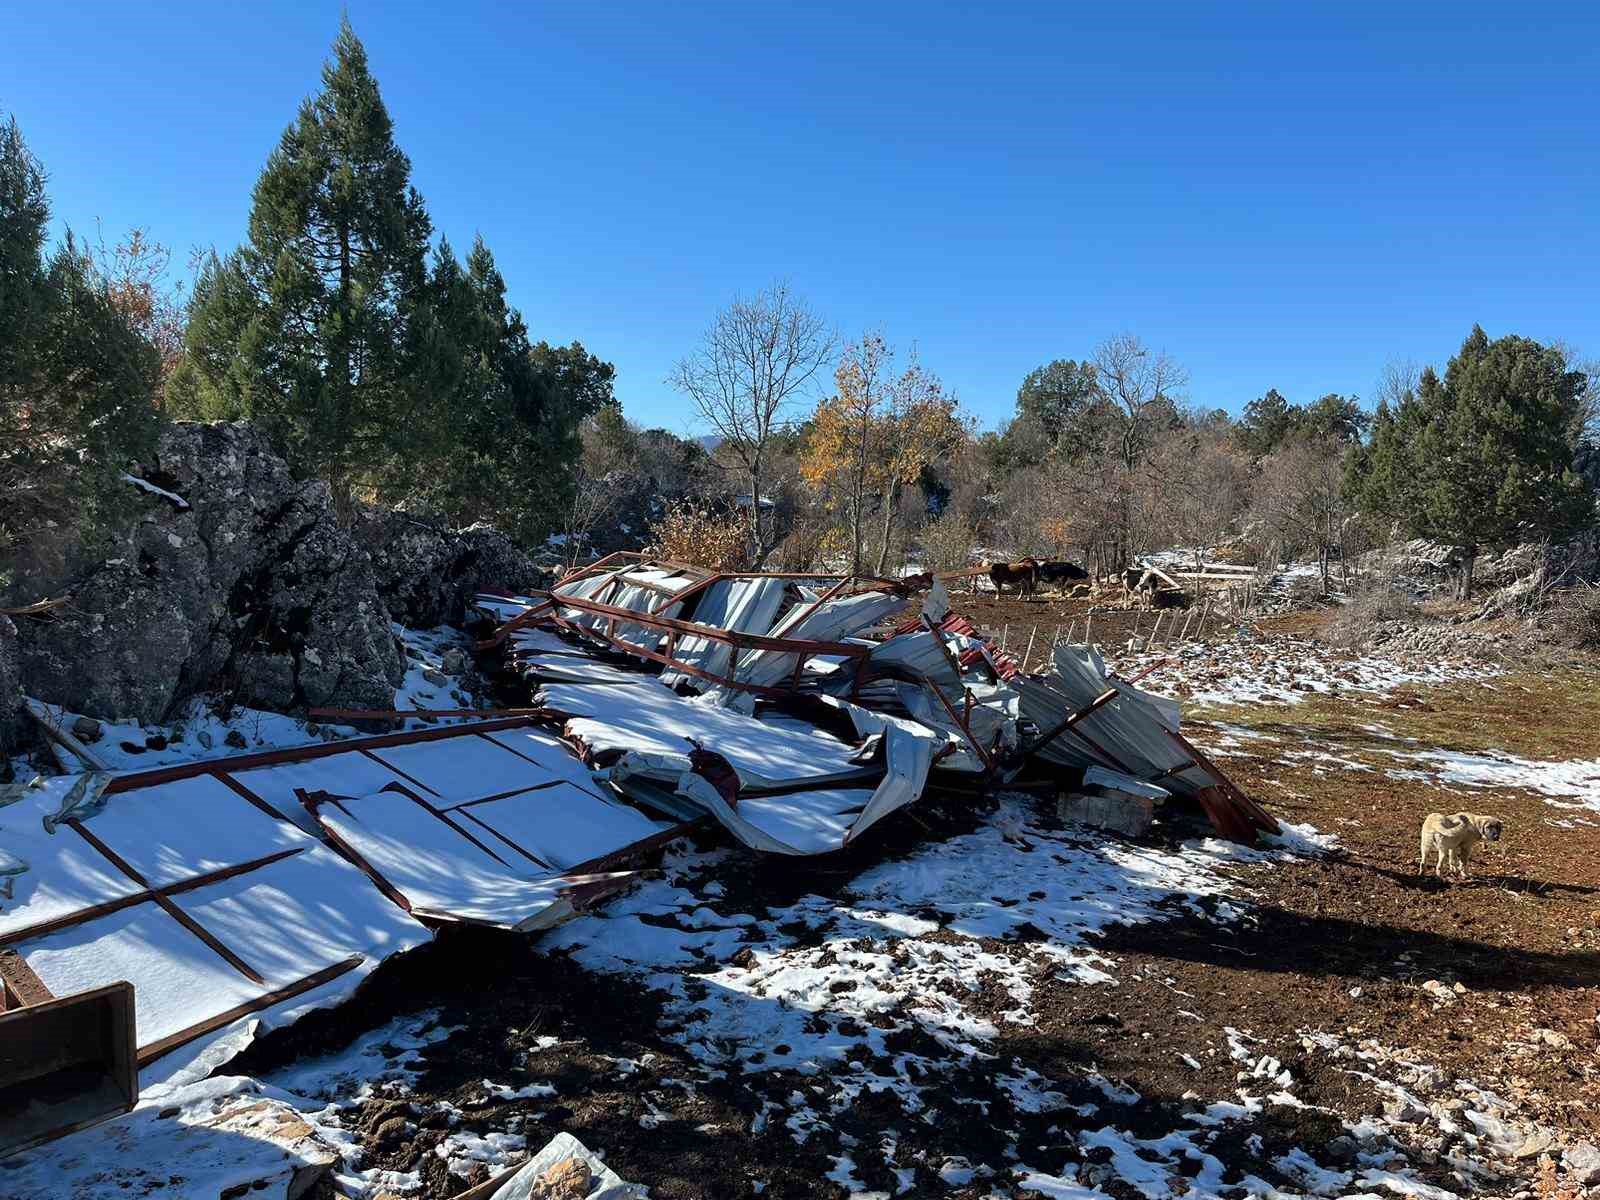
(741, 605)
(446, 872)
(808, 814)
(824, 621)
(210, 907)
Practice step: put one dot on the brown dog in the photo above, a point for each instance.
(1451, 839)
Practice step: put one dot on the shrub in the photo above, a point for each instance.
(706, 538)
(1381, 601)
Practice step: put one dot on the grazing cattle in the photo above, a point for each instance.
(1023, 575)
(1139, 584)
(1061, 573)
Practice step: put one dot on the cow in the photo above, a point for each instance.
(1023, 574)
(1061, 573)
(1139, 584)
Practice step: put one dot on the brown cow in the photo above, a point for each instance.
(1024, 574)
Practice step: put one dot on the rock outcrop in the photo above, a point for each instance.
(426, 575)
(235, 578)
(10, 689)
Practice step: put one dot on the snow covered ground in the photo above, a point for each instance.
(1282, 670)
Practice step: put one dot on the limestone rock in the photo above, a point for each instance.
(1583, 1163)
(11, 714)
(427, 574)
(568, 1180)
(253, 589)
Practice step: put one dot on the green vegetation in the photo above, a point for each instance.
(77, 380)
(1483, 456)
(391, 377)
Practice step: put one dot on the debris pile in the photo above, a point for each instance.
(795, 711)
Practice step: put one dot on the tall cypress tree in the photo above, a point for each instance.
(310, 326)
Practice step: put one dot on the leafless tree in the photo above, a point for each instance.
(758, 357)
(1397, 382)
(1301, 496)
(1144, 388)
(1199, 484)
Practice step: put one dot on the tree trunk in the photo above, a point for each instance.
(1469, 556)
(891, 503)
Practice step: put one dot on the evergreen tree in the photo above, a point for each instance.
(1481, 457)
(1265, 423)
(1059, 398)
(498, 439)
(313, 325)
(77, 381)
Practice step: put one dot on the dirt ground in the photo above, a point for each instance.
(1495, 980)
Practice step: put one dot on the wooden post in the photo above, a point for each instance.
(1088, 624)
(1187, 617)
(1005, 632)
(1028, 653)
(1205, 612)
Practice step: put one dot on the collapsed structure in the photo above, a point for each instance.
(190, 906)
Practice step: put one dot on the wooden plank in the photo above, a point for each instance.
(53, 730)
(148, 1054)
(22, 986)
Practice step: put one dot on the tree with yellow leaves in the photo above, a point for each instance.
(875, 436)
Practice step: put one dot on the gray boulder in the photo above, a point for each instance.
(247, 587)
(427, 574)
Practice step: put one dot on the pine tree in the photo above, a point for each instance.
(312, 325)
(498, 438)
(1483, 456)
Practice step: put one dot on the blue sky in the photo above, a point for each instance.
(1280, 195)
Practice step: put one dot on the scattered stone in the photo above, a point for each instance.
(1583, 1163)
(87, 729)
(236, 740)
(1127, 815)
(1553, 1039)
(453, 661)
(1441, 993)
(205, 739)
(1405, 1112)
(389, 1132)
(567, 1180)
(434, 677)
(1342, 1151)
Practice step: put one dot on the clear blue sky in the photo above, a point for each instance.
(1282, 195)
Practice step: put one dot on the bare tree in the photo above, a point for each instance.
(1143, 388)
(1301, 496)
(1397, 382)
(758, 357)
(1140, 391)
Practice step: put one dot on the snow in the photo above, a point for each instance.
(192, 826)
(144, 485)
(1282, 670)
(438, 870)
(562, 825)
(651, 719)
